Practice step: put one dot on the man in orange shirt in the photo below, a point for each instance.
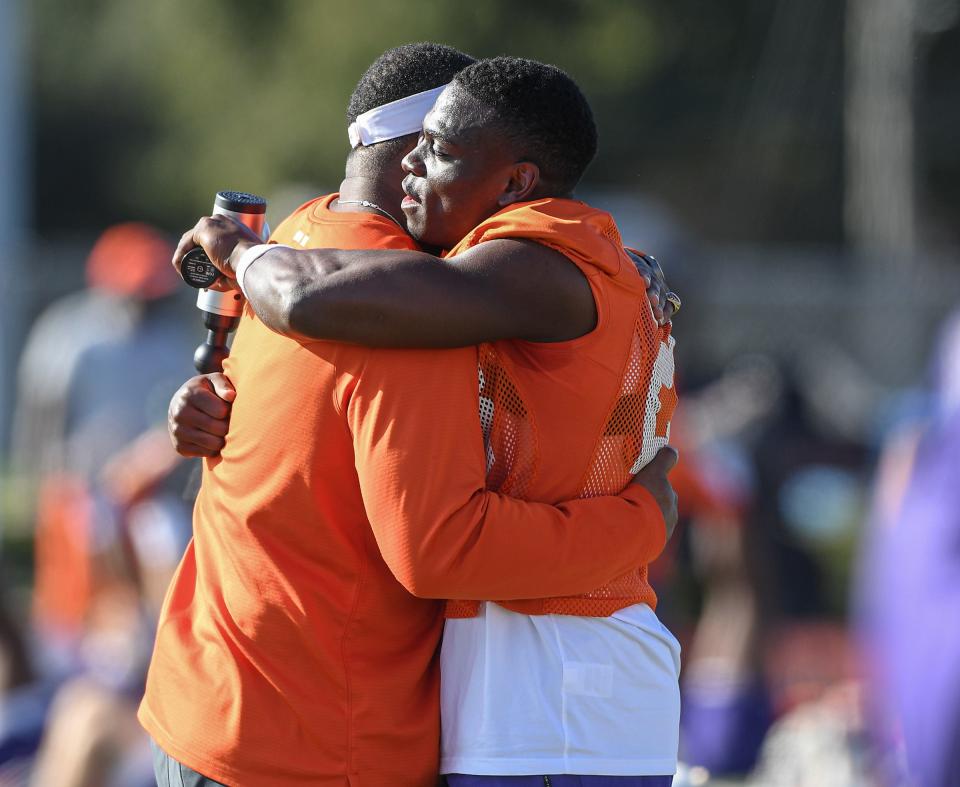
(288, 652)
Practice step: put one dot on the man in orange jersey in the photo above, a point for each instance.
(287, 651)
(569, 687)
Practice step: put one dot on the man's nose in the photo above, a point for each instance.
(413, 163)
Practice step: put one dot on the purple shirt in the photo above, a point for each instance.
(913, 608)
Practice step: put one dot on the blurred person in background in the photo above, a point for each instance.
(126, 288)
(110, 522)
(93, 380)
(909, 590)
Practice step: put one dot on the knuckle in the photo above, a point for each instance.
(193, 397)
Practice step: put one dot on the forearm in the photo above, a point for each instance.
(408, 299)
(295, 291)
(378, 298)
(495, 547)
(421, 460)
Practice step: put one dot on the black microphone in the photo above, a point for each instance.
(221, 310)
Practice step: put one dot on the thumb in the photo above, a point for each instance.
(222, 386)
(665, 460)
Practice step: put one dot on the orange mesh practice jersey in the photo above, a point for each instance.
(292, 648)
(576, 418)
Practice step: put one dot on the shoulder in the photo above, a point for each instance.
(587, 236)
(505, 251)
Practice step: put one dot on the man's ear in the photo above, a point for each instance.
(523, 182)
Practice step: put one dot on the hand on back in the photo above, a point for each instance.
(664, 302)
(653, 478)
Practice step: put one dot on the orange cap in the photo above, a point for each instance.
(132, 259)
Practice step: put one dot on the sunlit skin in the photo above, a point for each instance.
(462, 170)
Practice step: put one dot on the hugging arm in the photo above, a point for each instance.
(421, 464)
(502, 289)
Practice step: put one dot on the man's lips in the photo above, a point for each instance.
(411, 199)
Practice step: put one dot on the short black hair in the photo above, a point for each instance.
(404, 71)
(542, 111)
(400, 72)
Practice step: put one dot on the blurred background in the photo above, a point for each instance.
(794, 165)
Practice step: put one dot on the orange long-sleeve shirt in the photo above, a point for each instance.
(291, 649)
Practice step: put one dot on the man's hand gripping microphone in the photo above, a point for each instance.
(221, 307)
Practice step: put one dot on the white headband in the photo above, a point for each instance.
(396, 119)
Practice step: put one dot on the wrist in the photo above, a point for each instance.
(241, 248)
(253, 253)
